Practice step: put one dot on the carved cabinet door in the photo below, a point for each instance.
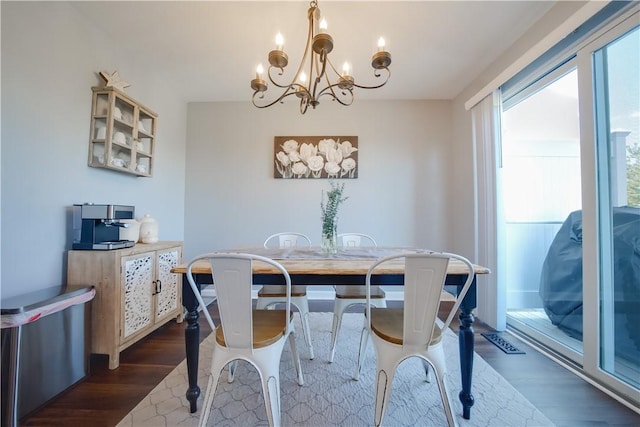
(168, 284)
(138, 288)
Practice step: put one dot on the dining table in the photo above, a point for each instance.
(314, 267)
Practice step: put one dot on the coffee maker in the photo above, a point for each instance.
(97, 227)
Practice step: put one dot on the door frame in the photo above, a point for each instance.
(591, 261)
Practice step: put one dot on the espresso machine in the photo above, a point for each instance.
(97, 227)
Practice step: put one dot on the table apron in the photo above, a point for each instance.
(452, 280)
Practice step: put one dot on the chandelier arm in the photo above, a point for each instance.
(320, 59)
(279, 99)
(332, 67)
(313, 80)
(345, 103)
(290, 91)
(323, 58)
(377, 74)
(329, 91)
(271, 67)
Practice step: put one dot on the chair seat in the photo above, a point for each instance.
(281, 291)
(268, 327)
(269, 295)
(358, 292)
(447, 297)
(387, 323)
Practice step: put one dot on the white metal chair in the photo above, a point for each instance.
(257, 336)
(346, 295)
(348, 240)
(400, 333)
(269, 296)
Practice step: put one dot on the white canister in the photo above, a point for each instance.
(148, 229)
(131, 231)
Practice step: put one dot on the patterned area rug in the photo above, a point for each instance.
(330, 397)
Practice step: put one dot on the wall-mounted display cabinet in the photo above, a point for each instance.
(122, 133)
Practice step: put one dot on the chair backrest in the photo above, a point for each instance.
(356, 239)
(287, 239)
(424, 278)
(233, 279)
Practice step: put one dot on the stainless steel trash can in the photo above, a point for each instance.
(45, 346)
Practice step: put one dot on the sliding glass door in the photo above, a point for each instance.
(569, 207)
(542, 202)
(612, 71)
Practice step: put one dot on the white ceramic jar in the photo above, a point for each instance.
(132, 231)
(148, 229)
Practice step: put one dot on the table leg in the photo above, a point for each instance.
(465, 339)
(192, 343)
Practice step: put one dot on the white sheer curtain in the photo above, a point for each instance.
(486, 142)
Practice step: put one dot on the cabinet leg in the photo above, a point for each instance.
(114, 360)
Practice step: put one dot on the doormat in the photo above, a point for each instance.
(502, 344)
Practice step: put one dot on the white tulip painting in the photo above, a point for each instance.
(301, 157)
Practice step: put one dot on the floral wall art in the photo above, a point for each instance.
(316, 157)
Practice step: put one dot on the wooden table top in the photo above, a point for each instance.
(328, 266)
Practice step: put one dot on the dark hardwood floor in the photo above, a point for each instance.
(105, 396)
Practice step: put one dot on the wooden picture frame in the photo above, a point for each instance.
(315, 157)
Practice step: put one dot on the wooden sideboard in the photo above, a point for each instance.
(135, 292)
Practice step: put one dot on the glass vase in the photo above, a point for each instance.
(329, 242)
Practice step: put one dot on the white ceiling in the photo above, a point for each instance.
(210, 49)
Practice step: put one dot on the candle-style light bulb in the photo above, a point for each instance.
(381, 44)
(323, 25)
(259, 71)
(301, 89)
(279, 42)
(345, 69)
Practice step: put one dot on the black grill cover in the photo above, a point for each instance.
(561, 279)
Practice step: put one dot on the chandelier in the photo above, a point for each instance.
(321, 71)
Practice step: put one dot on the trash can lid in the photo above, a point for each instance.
(43, 302)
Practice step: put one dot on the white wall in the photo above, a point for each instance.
(50, 59)
(401, 195)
